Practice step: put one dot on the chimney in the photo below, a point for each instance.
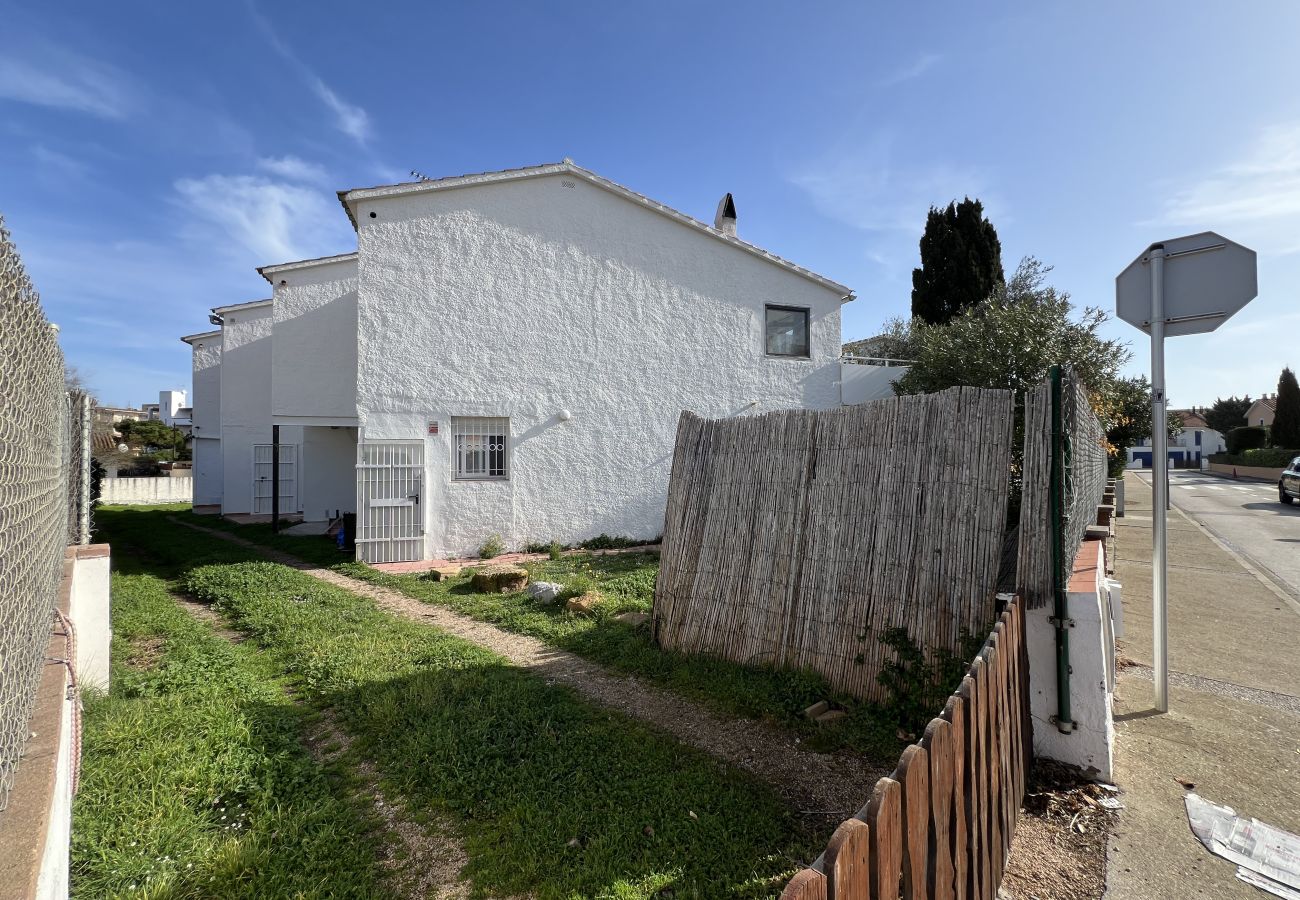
(725, 220)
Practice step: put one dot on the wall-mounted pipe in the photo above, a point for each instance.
(1061, 619)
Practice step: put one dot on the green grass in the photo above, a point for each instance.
(627, 581)
(194, 781)
(553, 797)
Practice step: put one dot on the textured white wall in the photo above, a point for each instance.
(329, 481)
(527, 298)
(206, 383)
(146, 491)
(245, 401)
(314, 356)
(209, 469)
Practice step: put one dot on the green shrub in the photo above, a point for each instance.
(917, 688)
(493, 546)
(555, 550)
(1247, 437)
(604, 541)
(1269, 457)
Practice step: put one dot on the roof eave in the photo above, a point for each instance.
(276, 268)
(191, 338)
(350, 197)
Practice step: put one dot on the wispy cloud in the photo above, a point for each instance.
(293, 168)
(57, 78)
(915, 69)
(1259, 191)
(273, 221)
(59, 165)
(349, 118)
(863, 185)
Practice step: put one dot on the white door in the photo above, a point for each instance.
(262, 473)
(390, 521)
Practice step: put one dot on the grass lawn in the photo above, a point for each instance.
(552, 796)
(194, 779)
(627, 583)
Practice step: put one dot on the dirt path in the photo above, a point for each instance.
(421, 860)
(823, 788)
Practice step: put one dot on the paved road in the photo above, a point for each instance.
(1247, 516)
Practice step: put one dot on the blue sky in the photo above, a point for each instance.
(151, 155)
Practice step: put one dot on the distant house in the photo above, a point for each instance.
(504, 354)
(1189, 449)
(1261, 411)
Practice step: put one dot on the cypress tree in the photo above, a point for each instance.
(961, 262)
(1286, 413)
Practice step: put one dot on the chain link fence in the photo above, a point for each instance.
(80, 501)
(35, 453)
(1066, 428)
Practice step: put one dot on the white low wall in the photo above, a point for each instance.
(862, 383)
(146, 491)
(88, 608)
(1091, 745)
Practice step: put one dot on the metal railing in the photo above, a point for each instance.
(875, 360)
(34, 514)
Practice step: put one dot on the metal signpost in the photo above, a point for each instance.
(1188, 285)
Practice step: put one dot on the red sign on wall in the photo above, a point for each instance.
(433, 428)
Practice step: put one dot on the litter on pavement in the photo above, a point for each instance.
(1267, 857)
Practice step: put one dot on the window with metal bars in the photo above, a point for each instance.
(481, 447)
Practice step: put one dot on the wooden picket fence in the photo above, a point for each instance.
(940, 827)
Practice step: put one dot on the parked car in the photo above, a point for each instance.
(1288, 486)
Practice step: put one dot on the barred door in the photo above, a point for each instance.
(390, 521)
(262, 474)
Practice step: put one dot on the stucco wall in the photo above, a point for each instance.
(314, 368)
(146, 491)
(246, 403)
(528, 298)
(206, 387)
(329, 457)
(209, 470)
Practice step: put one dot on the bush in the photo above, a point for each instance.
(1270, 457)
(555, 550)
(493, 546)
(604, 541)
(1247, 437)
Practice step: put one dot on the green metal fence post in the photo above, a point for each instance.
(1061, 619)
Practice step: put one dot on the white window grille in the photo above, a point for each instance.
(481, 446)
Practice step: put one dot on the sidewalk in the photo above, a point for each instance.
(1233, 728)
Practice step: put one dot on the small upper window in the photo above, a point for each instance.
(481, 447)
(786, 329)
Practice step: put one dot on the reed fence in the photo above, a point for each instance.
(797, 538)
(1079, 476)
(940, 827)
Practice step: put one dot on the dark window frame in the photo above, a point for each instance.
(807, 328)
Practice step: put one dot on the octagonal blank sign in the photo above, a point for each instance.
(1207, 278)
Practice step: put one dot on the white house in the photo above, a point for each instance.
(508, 354)
(205, 419)
(1189, 449)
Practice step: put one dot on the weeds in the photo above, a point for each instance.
(918, 687)
(492, 547)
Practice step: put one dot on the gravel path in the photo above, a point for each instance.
(823, 788)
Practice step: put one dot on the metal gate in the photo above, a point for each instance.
(262, 470)
(390, 521)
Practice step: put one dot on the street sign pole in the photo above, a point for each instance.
(1194, 284)
(1160, 479)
